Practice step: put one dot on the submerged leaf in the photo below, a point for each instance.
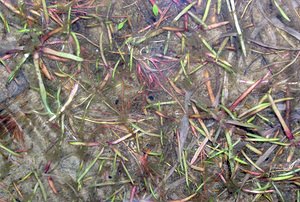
(121, 24)
(155, 10)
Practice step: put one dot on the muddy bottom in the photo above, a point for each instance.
(149, 101)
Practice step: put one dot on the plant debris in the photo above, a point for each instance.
(149, 100)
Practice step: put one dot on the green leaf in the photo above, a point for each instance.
(121, 24)
(17, 68)
(62, 54)
(155, 9)
(43, 91)
(283, 14)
